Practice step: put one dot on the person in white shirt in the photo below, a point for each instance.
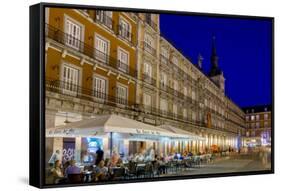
(55, 156)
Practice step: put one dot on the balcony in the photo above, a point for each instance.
(88, 50)
(125, 34)
(149, 48)
(123, 66)
(149, 79)
(178, 70)
(166, 88)
(103, 18)
(163, 60)
(73, 90)
(69, 89)
(149, 21)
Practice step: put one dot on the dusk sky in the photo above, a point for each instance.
(243, 47)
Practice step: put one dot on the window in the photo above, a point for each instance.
(74, 34)
(193, 116)
(125, 29)
(163, 105)
(123, 60)
(175, 109)
(175, 61)
(70, 80)
(164, 53)
(252, 125)
(163, 80)
(265, 124)
(149, 44)
(176, 85)
(266, 116)
(193, 95)
(146, 99)
(122, 94)
(102, 49)
(100, 87)
(147, 69)
(252, 118)
(257, 125)
(257, 117)
(184, 113)
(247, 118)
(185, 91)
(104, 17)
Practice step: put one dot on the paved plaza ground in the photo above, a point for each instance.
(234, 163)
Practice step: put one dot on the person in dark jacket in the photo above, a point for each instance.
(99, 155)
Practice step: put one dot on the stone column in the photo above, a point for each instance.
(78, 147)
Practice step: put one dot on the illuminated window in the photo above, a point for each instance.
(70, 78)
(257, 117)
(252, 118)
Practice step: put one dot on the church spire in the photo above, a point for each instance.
(214, 50)
(215, 70)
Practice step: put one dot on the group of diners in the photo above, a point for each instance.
(139, 165)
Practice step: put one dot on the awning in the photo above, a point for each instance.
(101, 125)
(182, 132)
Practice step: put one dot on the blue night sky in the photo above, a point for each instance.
(243, 47)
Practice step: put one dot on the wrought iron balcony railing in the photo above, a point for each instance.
(88, 50)
(149, 48)
(164, 60)
(125, 34)
(149, 21)
(103, 18)
(148, 79)
(74, 90)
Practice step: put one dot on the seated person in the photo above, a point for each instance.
(101, 171)
(57, 172)
(114, 158)
(72, 169)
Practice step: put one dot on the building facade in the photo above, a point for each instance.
(258, 126)
(107, 62)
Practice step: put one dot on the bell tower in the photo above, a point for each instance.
(215, 74)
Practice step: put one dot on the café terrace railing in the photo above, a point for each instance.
(77, 45)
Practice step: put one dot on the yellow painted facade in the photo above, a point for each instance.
(87, 68)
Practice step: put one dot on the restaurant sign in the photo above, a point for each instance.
(61, 132)
(150, 132)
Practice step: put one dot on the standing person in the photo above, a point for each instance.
(99, 156)
(55, 156)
